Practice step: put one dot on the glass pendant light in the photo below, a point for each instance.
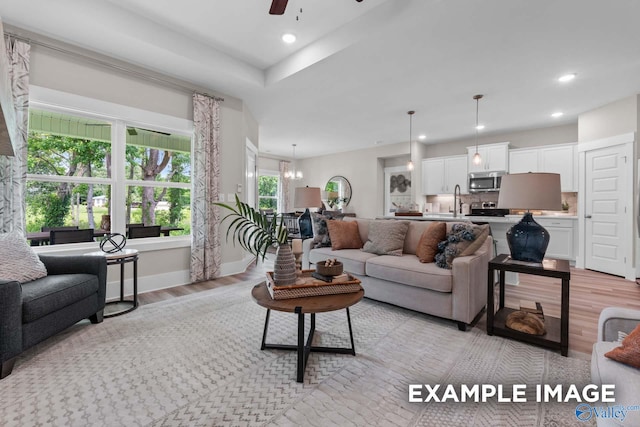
(476, 157)
(410, 164)
(293, 173)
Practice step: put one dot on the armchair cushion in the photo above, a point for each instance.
(55, 292)
(19, 262)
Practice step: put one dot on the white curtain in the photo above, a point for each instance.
(283, 188)
(13, 170)
(206, 256)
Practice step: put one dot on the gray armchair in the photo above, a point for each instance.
(74, 289)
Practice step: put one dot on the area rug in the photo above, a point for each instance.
(196, 361)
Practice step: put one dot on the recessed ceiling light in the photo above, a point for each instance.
(557, 114)
(289, 38)
(422, 137)
(567, 78)
(480, 127)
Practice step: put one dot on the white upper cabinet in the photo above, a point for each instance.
(441, 174)
(560, 159)
(495, 157)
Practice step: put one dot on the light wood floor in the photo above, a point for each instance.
(590, 292)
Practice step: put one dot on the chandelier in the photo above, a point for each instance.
(293, 173)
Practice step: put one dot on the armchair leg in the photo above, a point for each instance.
(7, 367)
(98, 317)
(462, 326)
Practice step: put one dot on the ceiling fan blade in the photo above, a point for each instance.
(155, 131)
(278, 7)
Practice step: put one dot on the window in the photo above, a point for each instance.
(268, 191)
(80, 168)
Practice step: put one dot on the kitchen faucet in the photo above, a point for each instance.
(455, 199)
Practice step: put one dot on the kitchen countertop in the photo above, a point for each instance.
(477, 218)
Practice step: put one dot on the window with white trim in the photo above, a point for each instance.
(82, 167)
(268, 190)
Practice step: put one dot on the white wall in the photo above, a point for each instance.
(616, 118)
(69, 73)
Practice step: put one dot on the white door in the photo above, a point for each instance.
(606, 186)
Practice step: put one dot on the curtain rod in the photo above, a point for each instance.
(107, 64)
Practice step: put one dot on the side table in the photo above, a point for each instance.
(557, 336)
(122, 306)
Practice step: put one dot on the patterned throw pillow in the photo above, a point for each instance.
(629, 350)
(461, 237)
(19, 262)
(386, 237)
(344, 234)
(428, 245)
(320, 231)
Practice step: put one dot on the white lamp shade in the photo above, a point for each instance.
(307, 197)
(538, 191)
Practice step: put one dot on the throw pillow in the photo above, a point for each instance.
(460, 238)
(19, 262)
(386, 237)
(428, 244)
(344, 234)
(629, 350)
(320, 231)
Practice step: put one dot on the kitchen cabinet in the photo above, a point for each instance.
(495, 157)
(562, 237)
(441, 174)
(561, 159)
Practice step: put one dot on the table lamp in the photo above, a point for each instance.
(306, 197)
(527, 239)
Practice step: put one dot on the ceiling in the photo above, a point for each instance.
(358, 67)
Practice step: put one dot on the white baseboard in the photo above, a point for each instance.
(236, 267)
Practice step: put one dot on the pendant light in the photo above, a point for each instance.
(293, 173)
(476, 157)
(410, 164)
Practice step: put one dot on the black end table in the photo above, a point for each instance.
(122, 306)
(557, 336)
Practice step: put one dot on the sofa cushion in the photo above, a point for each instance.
(459, 239)
(629, 350)
(416, 229)
(428, 244)
(320, 231)
(344, 234)
(386, 237)
(52, 293)
(408, 270)
(353, 259)
(19, 261)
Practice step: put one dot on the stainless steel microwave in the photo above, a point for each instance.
(485, 182)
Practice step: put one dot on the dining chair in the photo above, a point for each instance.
(144, 231)
(66, 227)
(57, 237)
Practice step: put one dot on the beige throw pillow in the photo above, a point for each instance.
(19, 262)
(386, 237)
(459, 241)
(428, 245)
(344, 234)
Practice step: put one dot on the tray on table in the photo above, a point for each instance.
(307, 286)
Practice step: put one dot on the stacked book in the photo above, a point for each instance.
(532, 307)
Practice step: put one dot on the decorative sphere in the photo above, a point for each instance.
(117, 240)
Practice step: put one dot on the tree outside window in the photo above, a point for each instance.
(268, 192)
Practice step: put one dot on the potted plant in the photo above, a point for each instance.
(256, 233)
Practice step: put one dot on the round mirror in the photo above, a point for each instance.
(338, 192)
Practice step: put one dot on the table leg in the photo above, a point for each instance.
(353, 347)
(135, 282)
(266, 327)
(564, 318)
(121, 281)
(502, 279)
(490, 303)
(301, 358)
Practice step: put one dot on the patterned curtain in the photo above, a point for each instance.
(283, 187)
(206, 256)
(13, 170)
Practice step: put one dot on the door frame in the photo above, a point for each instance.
(626, 140)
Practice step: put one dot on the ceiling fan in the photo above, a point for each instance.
(278, 6)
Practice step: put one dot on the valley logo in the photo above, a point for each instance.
(585, 412)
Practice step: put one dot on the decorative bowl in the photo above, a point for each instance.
(334, 270)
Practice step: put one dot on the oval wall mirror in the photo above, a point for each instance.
(338, 192)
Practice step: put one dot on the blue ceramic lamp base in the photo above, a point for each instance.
(528, 240)
(305, 225)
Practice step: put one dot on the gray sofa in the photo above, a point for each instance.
(74, 289)
(607, 371)
(458, 294)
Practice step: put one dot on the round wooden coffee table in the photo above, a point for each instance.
(301, 306)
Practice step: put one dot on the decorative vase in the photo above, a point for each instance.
(528, 240)
(284, 268)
